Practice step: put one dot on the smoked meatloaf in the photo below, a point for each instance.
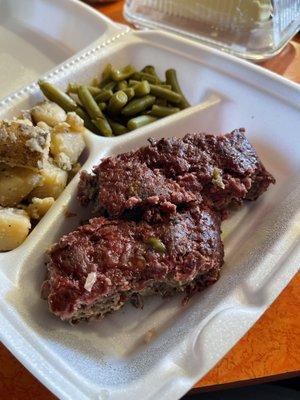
(100, 266)
(158, 227)
(218, 170)
(124, 183)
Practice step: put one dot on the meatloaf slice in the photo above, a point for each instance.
(100, 266)
(123, 183)
(221, 170)
(225, 169)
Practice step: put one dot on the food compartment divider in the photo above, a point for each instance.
(113, 358)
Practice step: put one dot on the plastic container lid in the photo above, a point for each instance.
(252, 29)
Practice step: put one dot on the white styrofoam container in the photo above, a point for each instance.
(108, 359)
(37, 35)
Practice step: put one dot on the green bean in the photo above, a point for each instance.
(81, 113)
(77, 101)
(129, 91)
(106, 75)
(148, 112)
(88, 102)
(56, 95)
(123, 99)
(121, 74)
(156, 244)
(136, 106)
(98, 119)
(73, 88)
(139, 121)
(171, 79)
(103, 125)
(122, 85)
(95, 81)
(141, 89)
(109, 85)
(161, 111)
(104, 82)
(165, 86)
(102, 106)
(86, 119)
(149, 69)
(161, 102)
(94, 90)
(167, 94)
(117, 102)
(142, 76)
(118, 129)
(132, 82)
(104, 95)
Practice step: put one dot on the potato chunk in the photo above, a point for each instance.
(76, 123)
(22, 144)
(16, 183)
(14, 228)
(54, 182)
(38, 208)
(48, 112)
(68, 143)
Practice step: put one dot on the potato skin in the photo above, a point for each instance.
(22, 144)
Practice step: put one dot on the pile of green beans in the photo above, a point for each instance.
(123, 100)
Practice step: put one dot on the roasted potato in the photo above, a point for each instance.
(14, 228)
(48, 112)
(70, 144)
(54, 182)
(16, 183)
(38, 207)
(22, 144)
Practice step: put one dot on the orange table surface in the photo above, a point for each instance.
(271, 349)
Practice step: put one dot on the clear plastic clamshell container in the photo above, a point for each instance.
(110, 359)
(252, 29)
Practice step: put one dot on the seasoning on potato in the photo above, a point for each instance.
(116, 103)
(22, 144)
(39, 155)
